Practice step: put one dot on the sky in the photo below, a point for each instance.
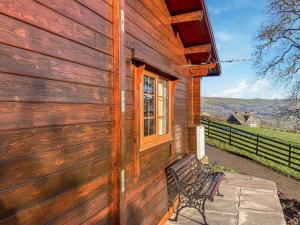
(235, 23)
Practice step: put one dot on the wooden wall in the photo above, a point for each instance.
(56, 111)
(151, 38)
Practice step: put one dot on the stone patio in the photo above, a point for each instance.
(247, 201)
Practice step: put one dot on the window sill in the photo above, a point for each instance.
(155, 143)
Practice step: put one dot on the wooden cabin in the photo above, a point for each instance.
(96, 101)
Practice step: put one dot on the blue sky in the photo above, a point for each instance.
(235, 23)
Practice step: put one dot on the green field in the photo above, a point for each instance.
(273, 148)
(283, 136)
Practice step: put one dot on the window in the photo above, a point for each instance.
(156, 110)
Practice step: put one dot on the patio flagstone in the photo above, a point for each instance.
(247, 201)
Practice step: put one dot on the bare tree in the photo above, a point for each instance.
(278, 51)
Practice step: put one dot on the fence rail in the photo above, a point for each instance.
(282, 153)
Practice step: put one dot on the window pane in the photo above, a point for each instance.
(146, 84)
(146, 130)
(167, 106)
(151, 103)
(163, 125)
(162, 88)
(160, 106)
(163, 107)
(165, 89)
(152, 127)
(146, 104)
(149, 106)
(151, 85)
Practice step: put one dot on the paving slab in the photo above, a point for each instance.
(192, 217)
(252, 217)
(229, 193)
(223, 206)
(259, 200)
(257, 184)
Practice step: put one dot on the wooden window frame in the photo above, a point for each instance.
(138, 145)
(155, 139)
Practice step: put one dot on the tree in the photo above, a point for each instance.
(278, 51)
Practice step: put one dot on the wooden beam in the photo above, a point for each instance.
(198, 49)
(202, 70)
(187, 17)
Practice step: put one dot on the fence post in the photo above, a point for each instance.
(290, 154)
(208, 128)
(230, 135)
(257, 144)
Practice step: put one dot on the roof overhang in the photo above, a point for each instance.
(190, 20)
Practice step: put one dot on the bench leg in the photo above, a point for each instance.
(202, 211)
(180, 206)
(219, 194)
(198, 206)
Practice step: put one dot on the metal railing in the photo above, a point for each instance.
(280, 152)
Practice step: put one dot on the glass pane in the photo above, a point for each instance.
(146, 84)
(151, 104)
(165, 89)
(160, 87)
(167, 106)
(152, 127)
(163, 106)
(167, 125)
(160, 106)
(162, 126)
(146, 130)
(151, 85)
(146, 104)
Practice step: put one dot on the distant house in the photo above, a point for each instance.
(246, 118)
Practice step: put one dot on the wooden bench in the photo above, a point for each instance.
(195, 183)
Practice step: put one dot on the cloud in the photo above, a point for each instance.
(218, 10)
(244, 89)
(234, 92)
(224, 36)
(259, 85)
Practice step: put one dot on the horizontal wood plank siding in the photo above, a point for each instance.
(56, 111)
(151, 38)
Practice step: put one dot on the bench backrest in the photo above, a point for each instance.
(186, 170)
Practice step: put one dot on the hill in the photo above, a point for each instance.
(264, 109)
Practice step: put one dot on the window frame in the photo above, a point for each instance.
(155, 139)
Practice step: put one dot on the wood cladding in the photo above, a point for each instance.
(56, 111)
(60, 111)
(150, 37)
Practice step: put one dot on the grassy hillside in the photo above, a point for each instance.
(264, 110)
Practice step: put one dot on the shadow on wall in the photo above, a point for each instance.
(171, 187)
(11, 210)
